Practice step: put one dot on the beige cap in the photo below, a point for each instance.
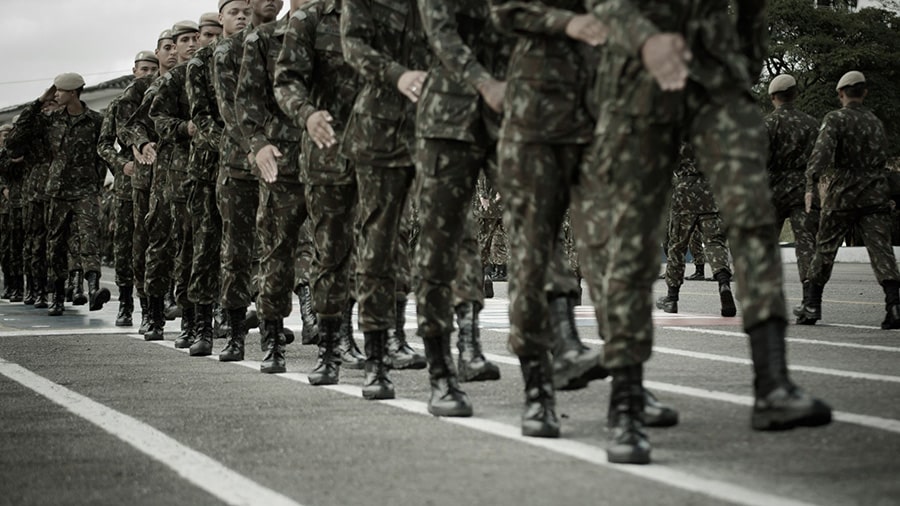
(781, 82)
(183, 27)
(223, 3)
(851, 78)
(210, 19)
(69, 81)
(166, 34)
(6, 128)
(149, 56)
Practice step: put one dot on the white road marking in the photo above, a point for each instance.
(216, 479)
(80, 331)
(871, 347)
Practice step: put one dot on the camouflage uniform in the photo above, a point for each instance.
(35, 217)
(491, 235)
(123, 214)
(12, 228)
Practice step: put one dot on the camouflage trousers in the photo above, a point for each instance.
(682, 229)
(36, 234)
(695, 245)
(805, 227)
(140, 240)
(332, 217)
(162, 244)
(183, 231)
(13, 231)
(625, 189)
(123, 241)
(875, 226)
(65, 215)
(238, 201)
(383, 193)
(206, 224)
(407, 241)
(279, 224)
(494, 244)
(73, 247)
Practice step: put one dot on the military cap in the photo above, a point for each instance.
(782, 82)
(210, 19)
(851, 78)
(223, 3)
(149, 56)
(6, 128)
(183, 27)
(69, 81)
(166, 34)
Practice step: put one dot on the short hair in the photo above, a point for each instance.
(788, 95)
(79, 91)
(857, 90)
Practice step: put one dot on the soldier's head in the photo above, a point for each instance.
(145, 64)
(265, 11)
(185, 33)
(234, 16)
(783, 89)
(210, 29)
(165, 51)
(4, 132)
(852, 87)
(68, 88)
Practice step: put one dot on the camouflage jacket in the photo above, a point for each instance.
(691, 193)
(727, 53)
(109, 151)
(233, 147)
(12, 177)
(37, 160)
(468, 51)
(850, 155)
(792, 134)
(137, 128)
(549, 74)
(171, 114)
(311, 75)
(77, 171)
(201, 94)
(382, 39)
(261, 120)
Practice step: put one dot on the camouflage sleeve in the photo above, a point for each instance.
(203, 105)
(439, 21)
(250, 100)
(225, 77)
(823, 152)
(357, 32)
(294, 68)
(753, 32)
(129, 102)
(139, 128)
(628, 27)
(31, 124)
(771, 122)
(518, 17)
(106, 143)
(164, 110)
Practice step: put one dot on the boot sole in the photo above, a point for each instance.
(573, 377)
(483, 376)
(124, 324)
(630, 456)
(102, 298)
(183, 345)
(321, 382)
(272, 370)
(230, 359)
(543, 430)
(153, 338)
(783, 421)
(454, 411)
(379, 395)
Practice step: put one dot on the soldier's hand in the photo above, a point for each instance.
(191, 128)
(807, 201)
(6, 193)
(485, 203)
(267, 162)
(128, 169)
(493, 92)
(588, 29)
(410, 84)
(49, 95)
(318, 125)
(665, 56)
(146, 155)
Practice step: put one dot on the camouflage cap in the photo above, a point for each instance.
(781, 83)
(69, 81)
(149, 56)
(182, 27)
(850, 78)
(223, 3)
(166, 34)
(210, 19)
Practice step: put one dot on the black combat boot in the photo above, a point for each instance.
(779, 405)
(377, 384)
(30, 291)
(698, 274)
(487, 285)
(78, 296)
(251, 320)
(574, 364)
(18, 289)
(126, 306)
(500, 273)
(7, 285)
(170, 307)
(221, 327)
(399, 354)
(187, 336)
(669, 303)
(156, 319)
(98, 296)
(447, 399)
(234, 347)
(273, 341)
(347, 349)
(657, 414)
(145, 315)
(59, 298)
(472, 366)
(203, 331)
(627, 442)
(328, 364)
(40, 302)
(310, 332)
(539, 414)
(812, 308)
(891, 304)
(798, 309)
(726, 298)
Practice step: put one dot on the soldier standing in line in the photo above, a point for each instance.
(134, 130)
(792, 135)
(76, 174)
(203, 168)
(121, 163)
(850, 154)
(210, 29)
(656, 90)
(694, 212)
(13, 185)
(237, 187)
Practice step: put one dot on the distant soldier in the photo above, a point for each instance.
(12, 172)
(850, 157)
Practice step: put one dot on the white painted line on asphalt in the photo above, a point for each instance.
(216, 479)
(81, 331)
(871, 347)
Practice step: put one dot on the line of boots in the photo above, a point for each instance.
(810, 310)
(669, 302)
(97, 296)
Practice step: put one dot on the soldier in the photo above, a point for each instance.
(76, 174)
(850, 157)
(237, 188)
(792, 135)
(121, 163)
(694, 212)
(657, 90)
(210, 29)
(12, 173)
